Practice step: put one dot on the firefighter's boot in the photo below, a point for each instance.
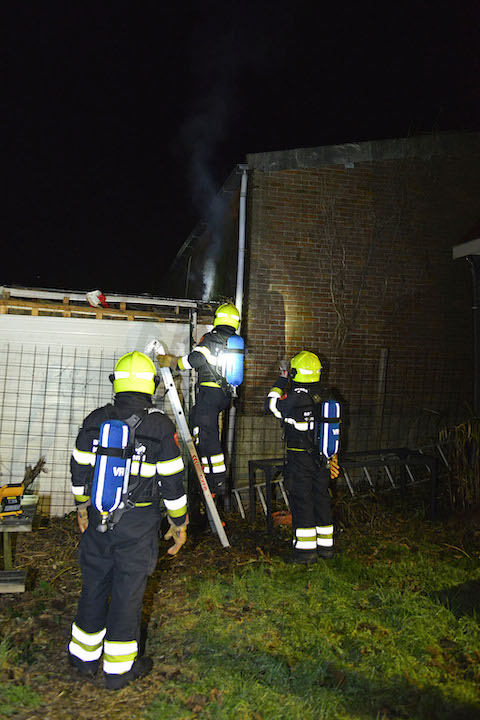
(140, 668)
(325, 553)
(86, 668)
(303, 557)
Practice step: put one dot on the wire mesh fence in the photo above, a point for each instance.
(46, 391)
(393, 400)
(45, 394)
(401, 399)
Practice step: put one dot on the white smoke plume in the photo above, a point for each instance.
(226, 46)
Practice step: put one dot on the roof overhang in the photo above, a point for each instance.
(472, 247)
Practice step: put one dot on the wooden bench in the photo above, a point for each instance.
(14, 580)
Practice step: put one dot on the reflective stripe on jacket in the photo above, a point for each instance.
(295, 408)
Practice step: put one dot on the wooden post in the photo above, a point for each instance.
(7, 551)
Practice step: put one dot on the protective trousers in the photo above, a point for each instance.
(307, 487)
(115, 566)
(211, 401)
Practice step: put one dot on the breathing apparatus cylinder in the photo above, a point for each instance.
(233, 357)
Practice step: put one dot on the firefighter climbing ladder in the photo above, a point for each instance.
(182, 426)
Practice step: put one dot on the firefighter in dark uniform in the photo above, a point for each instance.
(213, 393)
(115, 564)
(307, 475)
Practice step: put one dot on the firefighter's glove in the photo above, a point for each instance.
(178, 533)
(167, 361)
(82, 517)
(334, 467)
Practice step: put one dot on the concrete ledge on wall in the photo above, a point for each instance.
(349, 154)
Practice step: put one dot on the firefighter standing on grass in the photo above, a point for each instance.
(115, 564)
(307, 473)
(213, 393)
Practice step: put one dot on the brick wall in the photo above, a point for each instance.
(347, 261)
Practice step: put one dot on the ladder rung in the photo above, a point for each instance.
(390, 477)
(262, 499)
(260, 488)
(280, 482)
(410, 473)
(349, 482)
(239, 503)
(369, 478)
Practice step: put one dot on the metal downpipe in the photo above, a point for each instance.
(238, 296)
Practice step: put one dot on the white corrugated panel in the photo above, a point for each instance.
(53, 372)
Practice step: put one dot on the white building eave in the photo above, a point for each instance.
(472, 247)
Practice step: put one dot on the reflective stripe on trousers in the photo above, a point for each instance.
(87, 647)
(305, 539)
(325, 536)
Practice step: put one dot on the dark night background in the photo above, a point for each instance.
(123, 119)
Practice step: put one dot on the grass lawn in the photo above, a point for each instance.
(389, 628)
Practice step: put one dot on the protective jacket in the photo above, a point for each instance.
(157, 452)
(295, 409)
(205, 357)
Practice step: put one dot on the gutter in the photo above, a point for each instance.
(238, 295)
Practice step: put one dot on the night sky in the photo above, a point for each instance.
(123, 120)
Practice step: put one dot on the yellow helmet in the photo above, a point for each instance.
(305, 367)
(135, 372)
(227, 314)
